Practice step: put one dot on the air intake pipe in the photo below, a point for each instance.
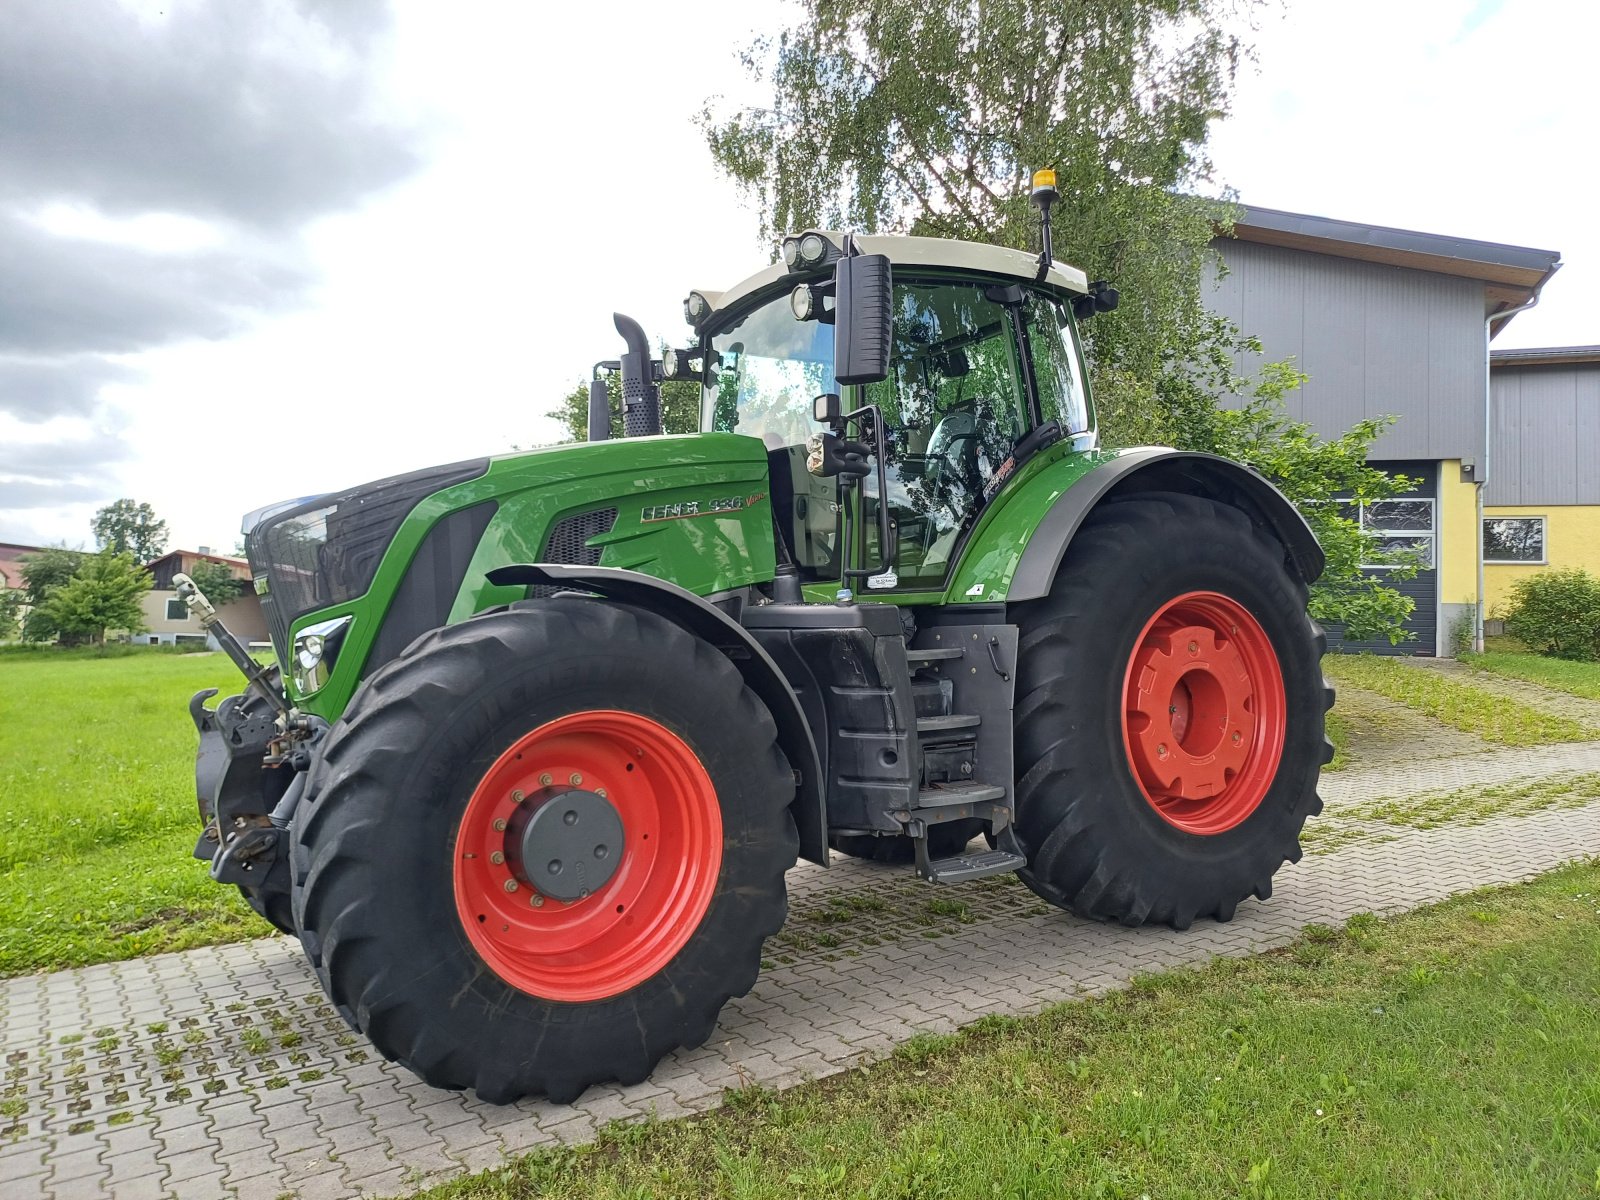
(641, 399)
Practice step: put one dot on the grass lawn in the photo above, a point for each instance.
(1338, 732)
(97, 798)
(1578, 678)
(1456, 702)
(1449, 1052)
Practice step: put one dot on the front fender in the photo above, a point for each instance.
(709, 623)
(1157, 469)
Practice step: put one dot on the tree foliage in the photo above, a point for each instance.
(42, 572)
(129, 527)
(11, 602)
(103, 594)
(680, 408)
(216, 581)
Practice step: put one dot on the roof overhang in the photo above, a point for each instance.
(1512, 275)
(1545, 356)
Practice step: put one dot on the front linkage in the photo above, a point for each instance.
(250, 773)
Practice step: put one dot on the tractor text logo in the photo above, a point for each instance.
(698, 508)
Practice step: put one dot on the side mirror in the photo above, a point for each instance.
(825, 410)
(863, 293)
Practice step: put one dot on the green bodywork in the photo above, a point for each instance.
(693, 509)
(710, 553)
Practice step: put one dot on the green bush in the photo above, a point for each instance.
(1557, 613)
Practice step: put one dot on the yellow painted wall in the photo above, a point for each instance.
(1458, 536)
(1571, 539)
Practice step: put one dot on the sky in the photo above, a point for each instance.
(251, 252)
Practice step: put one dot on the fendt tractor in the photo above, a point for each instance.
(547, 729)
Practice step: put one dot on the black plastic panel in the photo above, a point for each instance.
(428, 590)
(847, 667)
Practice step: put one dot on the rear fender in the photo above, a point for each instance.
(1157, 469)
(709, 623)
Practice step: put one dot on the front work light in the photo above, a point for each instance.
(675, 364)
(802, 302)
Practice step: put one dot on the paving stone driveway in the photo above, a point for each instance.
(223, 1072)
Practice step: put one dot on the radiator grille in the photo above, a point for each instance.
(566, 544)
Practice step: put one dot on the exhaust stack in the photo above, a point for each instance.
(641, 399)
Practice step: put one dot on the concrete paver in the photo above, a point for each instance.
(223, 1071)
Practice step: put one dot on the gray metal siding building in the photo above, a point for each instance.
(1390, 323)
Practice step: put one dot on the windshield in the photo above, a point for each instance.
(764, 373)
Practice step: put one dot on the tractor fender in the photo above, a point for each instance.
(1157, 469)
(709, 623)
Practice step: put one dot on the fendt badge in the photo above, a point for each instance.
(696, 508)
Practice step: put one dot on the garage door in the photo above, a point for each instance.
(1409, 522)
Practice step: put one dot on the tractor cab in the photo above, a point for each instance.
(982, 368)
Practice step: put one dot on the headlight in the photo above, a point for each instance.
(696, 308)
(316, 649)
(812, 248)
(791, 252)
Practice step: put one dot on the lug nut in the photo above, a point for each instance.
(536, 900)
(497, 858)
(511, 885)
(1161, 750)
(1237, 738)
(517, 797)
(575, 779)
(1194, 647)
(546, 779)
(499, 825)
(601, 792)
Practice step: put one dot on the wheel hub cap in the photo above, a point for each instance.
(567, 844)
(1203, 712)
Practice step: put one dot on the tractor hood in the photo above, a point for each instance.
(409, 553)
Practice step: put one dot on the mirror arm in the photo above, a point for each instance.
(886, 550)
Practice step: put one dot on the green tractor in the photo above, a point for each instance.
(548, 728)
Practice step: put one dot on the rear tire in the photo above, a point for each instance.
(391, 867)
(1135, 806)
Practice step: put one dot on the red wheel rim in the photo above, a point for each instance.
(633, 924)
(1203, 712)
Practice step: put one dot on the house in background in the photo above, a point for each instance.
(1542, 501)
(11, 556)
(1391, 322)
(168, 619)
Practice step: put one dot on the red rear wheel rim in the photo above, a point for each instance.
(1203, 712)
(631, 927)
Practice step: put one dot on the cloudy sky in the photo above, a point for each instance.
(252, 251)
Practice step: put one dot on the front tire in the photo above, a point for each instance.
(441, 896)
(1169, 721)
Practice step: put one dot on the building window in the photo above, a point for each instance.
(1513, 540)
(177, 610)
(1401, 527)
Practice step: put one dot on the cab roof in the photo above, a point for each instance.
(915, 252)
